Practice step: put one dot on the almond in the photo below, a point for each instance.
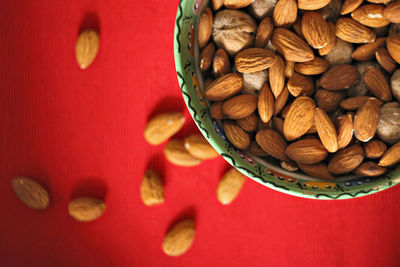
(204, 28)
(256, 150)
(239, 106)
(224, 87)
(289, 68)
(351, 31)
(163, 126)
(86, 209)
(319, 170)
(393, 46)
(254, 59)
(300, 85)
(315, 29)
(230, 185)
(179, 238)
(313, 67)
(221, 64)
(344, 129)
(291, 46)
(329, 100)
(285, 13)
(248, 123)
(31, 193)
(206, 56)
(312, 4)
(299, 118)
(277, 124)
(307, 151)
(340, 77)
(346, 160)
(236, 135)
(297, 27)
(216, 111)
(367, 51)
(236, 4)
(280, 102)
(366, 120)
(264, 32)
(370, 169)
(350, 5)
(379, 1)
(87, 47)
(377, 84)
(272, 143)
(370, 15)
(176, 153)
(313, 129)
(385, 60)
(392, 12)
(217, 4)
(152, 191)
(207, 82)
(199, 147)
(326, 130)
(265, 104)
(285, 110)
(331, 38)
(375, 149)
(391, 156)
(353, 103)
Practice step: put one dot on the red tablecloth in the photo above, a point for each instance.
(81, 133)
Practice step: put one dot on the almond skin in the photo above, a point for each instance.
(392, 12)
(163, 126)
(179, 238)
(313, 67)
(206, 56)
(239, 106)
(86, 209)
(326, 130)
(277, 124)
(265, 104)
(204, 29)
(375, 149)
(312, 4)
(280, 102)
(385, 60)
(300, 85)
(289, 68)
(264, 32)
(393, 46)
(217, 4)
(344, 129)
(199, 147)
(285, 13)
(151, 189)
(329, 100)
(331, 38)
(350, 5)
(346, 160)
(236, 135)
(224, 87)
(366, 120)
(176, 153)
(307, 151)
(216, 111)
(351, 31)
(248, 123)
(315, 29)
(221, 64)
(340, 77)
(377, 84)
(370, 169)
(272, 143)
(370, 15)
(229, 186)
(291, 46)
(87, 47)
(31, 193)
(367, 51)
(319, 170)
(256, 150)
(277, 77)
(300, 118)
(353, 103)
(391, 156)
(254, 59)
(236, 4)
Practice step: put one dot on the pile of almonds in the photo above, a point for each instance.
(310, 83)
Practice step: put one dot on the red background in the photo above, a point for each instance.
(80, 133)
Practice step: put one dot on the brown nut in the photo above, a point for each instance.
(221, 64)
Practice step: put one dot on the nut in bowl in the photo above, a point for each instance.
(286, 105)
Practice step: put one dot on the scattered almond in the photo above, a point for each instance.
(300, 85)
(340, 77)
(249, 123)
(350, 5)
(319, 170)
(326, 130)
(176, 153)
(315, 29)
(353, 103)
(224, 87)
(370, 15)
(199, 147)
(366, 120)
(239, 106)
(217, 4)
(393, 46)
(256, 150)
(289, 68)
(392, 12)
(331, 39)
(329, 100)
(280, 101)
(344, 128)
(163, 126)
(152, 191)
(391, 156)
(367, 51)
(221, 64)
(312, 4)
(236, 4)
(87, 47)
(86, 209)
(272, 143)
(291, 46)
(216, 111)
(254, 59)
(31, 193)
(377, 84)
(236, 135)
(265, 104)
(351, 31)
(230, 186)
(385, 60)
(375, 149)
(264, 32)
(179, 238)
(285, 13)
(370, 168)
(205, 26)
(277, 77)
(307, 151)
(313, 67)
(346, 160)
(206, 56)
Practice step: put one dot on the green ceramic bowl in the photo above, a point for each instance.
(265, 171)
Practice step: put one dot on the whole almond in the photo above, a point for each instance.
(199, 147)
(377, 84)
(350, 5)
(236, 135)
(206, 56)
(264, 32)
(163, 126)
(393, 46)
(86, 48)
(392, 12)
(331, 38)
(329, 100)
(353, 103)
(205, 26)
(367, 51)
(340, 77)
(224, 87)
(277, 124)
(307, 151)
(216, 111)
(370, 15)
(248, 123)
(285, 13)
(346, 160)
(344, 129)
(86, 209)
(272, 143)
(179, 238)
(313, 67)
(319, 170)
(230, 186)
(300, 85)
(366, 120)
(254, 59)
(375, 149)
(217, 4)
(289, 68)
(297, 27)
(299, 118)
(31, 193)
(312, 4)
(315, 29)
(277, 77)
(351, 31)
(291, 46)
(176, 153)
(236, 4)
(391, 156)
(256, 150)
(151, 189)
(385, 60)
(370, 169)
(265, 104)
(280, 101)
(326, 130)
(221, 64)
(239, 106)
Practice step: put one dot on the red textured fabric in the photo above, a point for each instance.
(80, 133)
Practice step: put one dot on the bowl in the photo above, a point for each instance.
(264, 171)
